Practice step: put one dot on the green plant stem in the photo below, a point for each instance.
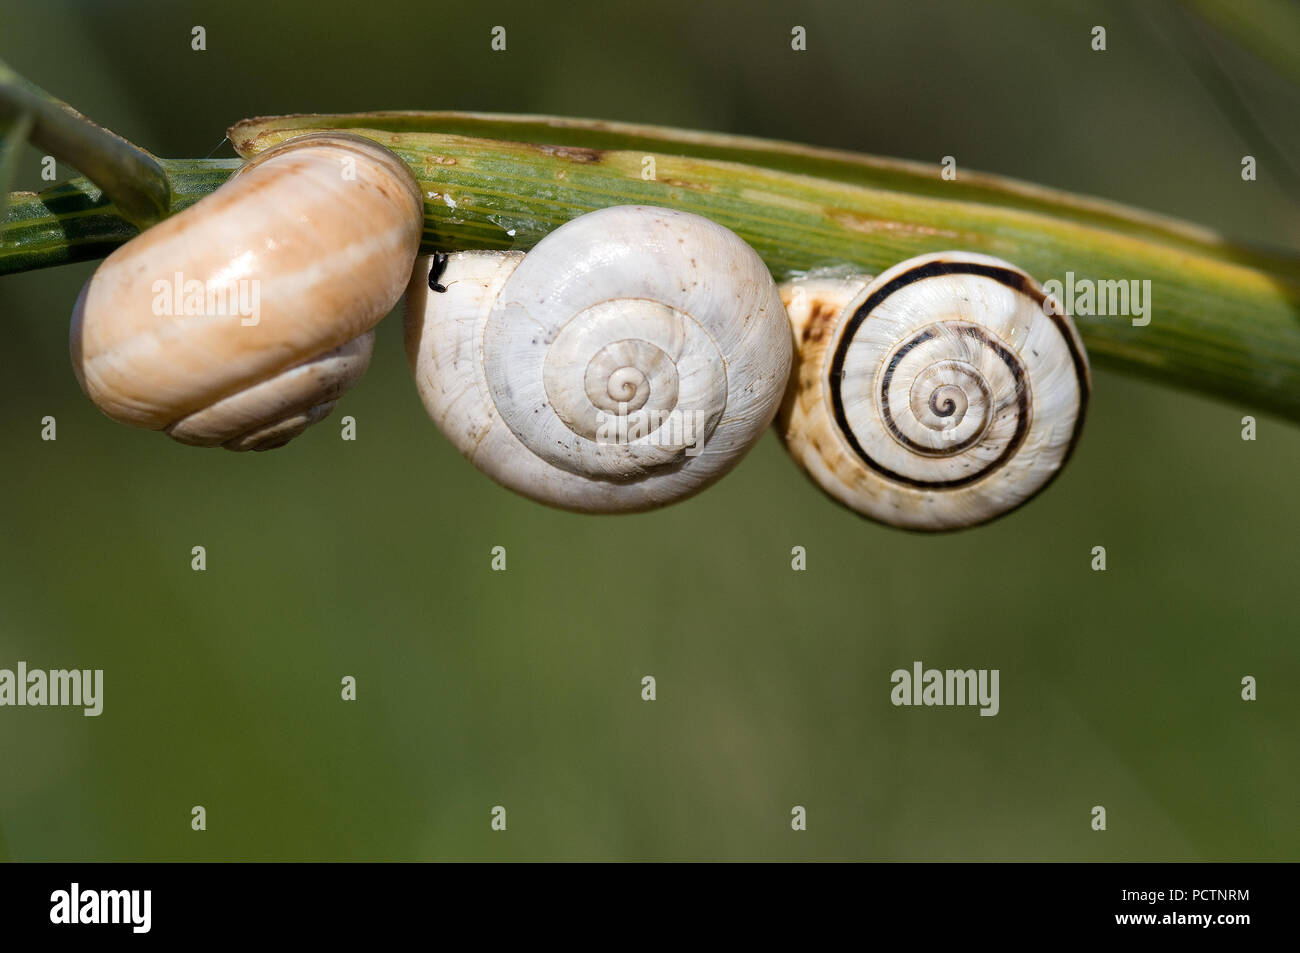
(133, 177)
(76, 221)
(1224, 319)
(13, 133)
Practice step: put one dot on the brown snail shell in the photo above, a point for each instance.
(240, 320)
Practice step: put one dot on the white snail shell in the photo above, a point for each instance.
(627, 361)
(939, 395)
(319, 232)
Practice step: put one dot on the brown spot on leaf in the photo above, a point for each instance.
(867, 224)
(685, 184)
(572, 153)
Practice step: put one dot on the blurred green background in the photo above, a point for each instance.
(522, 688)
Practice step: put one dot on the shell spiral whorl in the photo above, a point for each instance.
(635, 346)
(633, 356)
(939, 395)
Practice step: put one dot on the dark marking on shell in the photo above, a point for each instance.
(820, 320)
(1011, 278)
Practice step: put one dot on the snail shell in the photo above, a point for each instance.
(939, 395)
(319, 233)
(627, 361)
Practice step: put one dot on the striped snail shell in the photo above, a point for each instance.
(241, 320)
(627, 361)
(940, 394)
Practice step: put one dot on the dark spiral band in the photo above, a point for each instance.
(1022, 396)
(1015, 280)
(947, 410)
